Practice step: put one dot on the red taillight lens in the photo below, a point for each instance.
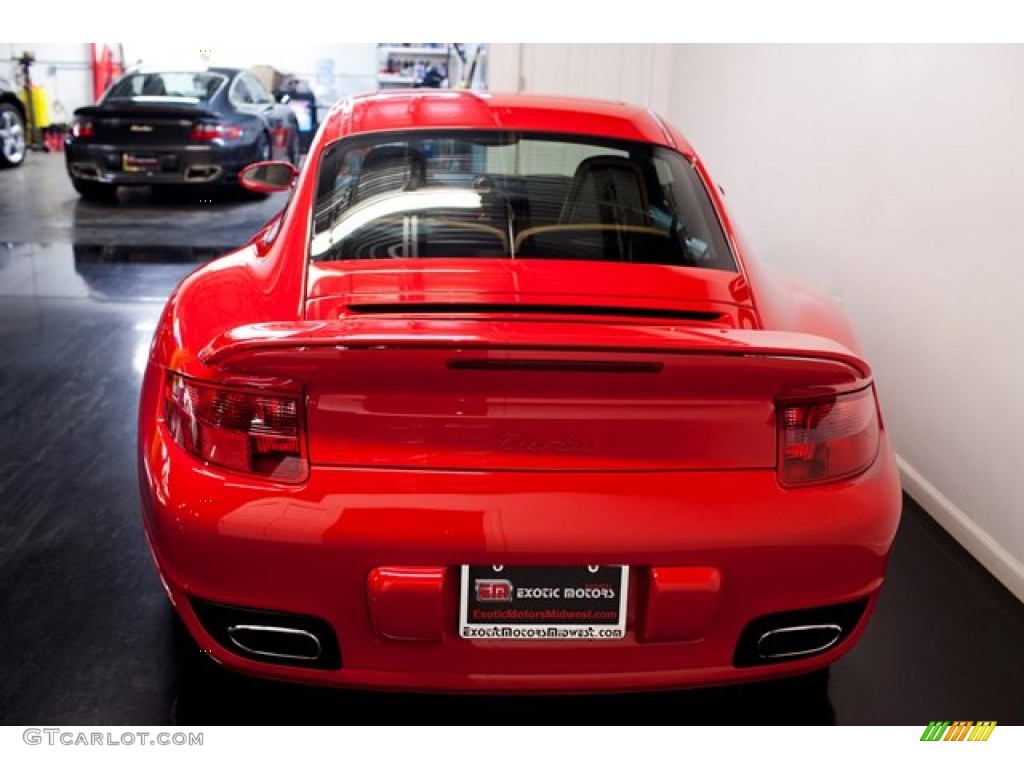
(211, 131)
(244, 430)
(83, 129)
(825, 439)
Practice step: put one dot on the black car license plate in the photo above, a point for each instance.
(586, 602)
(135, 163)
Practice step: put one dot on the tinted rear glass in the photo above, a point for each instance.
(188, 85)
(488, 194)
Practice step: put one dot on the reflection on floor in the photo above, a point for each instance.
(87, 637)
(100, 272)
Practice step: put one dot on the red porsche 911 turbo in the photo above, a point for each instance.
(501, 403)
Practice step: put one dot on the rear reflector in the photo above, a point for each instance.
(244, 430)
(827, 438)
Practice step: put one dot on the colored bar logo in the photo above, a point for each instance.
(960, 730)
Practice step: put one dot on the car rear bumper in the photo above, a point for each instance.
(321, 550)
(198, 164)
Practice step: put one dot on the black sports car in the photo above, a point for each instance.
(177, 127)
(12, 126)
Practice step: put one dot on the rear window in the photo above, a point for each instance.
(489, 194)
(187, 85)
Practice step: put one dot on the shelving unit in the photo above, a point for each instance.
(402, 65)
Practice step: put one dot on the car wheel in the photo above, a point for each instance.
(93, 190)
(12, 137)
(263, 151)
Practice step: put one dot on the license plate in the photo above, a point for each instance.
(140, 162)
(585, 602)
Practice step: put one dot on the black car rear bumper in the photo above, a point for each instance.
(133, 165)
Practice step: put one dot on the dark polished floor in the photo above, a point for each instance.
(86, 635)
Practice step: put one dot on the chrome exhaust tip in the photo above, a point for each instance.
(271, 637)
(202, 172)
(791, 642)
(777, 638)
(86, 171)
(276, 642)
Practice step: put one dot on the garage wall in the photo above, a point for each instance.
(893, 178)
(632, 72)
(62, 70)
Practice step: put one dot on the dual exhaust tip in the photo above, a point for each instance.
(272, 637)
(275, 643)
(793, 642)
(795, 635)
(202, 172)
(308, 641)
(282, 643)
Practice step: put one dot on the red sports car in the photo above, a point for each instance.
(501, 402)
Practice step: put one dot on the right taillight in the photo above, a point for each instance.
(244, 430)
(827, 438)
(209, 131)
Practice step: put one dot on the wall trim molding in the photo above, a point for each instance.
(984, 549)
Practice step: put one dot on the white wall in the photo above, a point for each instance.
(892, 177)
(62, 70)
(631, 72)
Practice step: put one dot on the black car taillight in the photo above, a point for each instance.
(82, 129)
(240, 429)
(827, 438)
(208, 131)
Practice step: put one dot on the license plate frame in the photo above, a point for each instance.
(586, 602)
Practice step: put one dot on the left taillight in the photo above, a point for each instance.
(829, 438)
(244, 430)
(83, 129)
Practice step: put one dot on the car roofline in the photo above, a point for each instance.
(440, 109)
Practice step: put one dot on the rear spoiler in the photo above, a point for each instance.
(289, 340)
(127, 110)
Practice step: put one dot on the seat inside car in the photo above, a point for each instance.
(390, 169)
(607, 189)
(153, 86)
(605, 216)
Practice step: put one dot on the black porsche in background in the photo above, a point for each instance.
(177, 128)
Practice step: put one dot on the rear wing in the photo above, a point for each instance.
(257, 346)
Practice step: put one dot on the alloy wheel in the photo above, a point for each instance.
(12, 136)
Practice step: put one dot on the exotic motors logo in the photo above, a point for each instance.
(960, 730)
(586, 592)
(503, 591)
(493, 590)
